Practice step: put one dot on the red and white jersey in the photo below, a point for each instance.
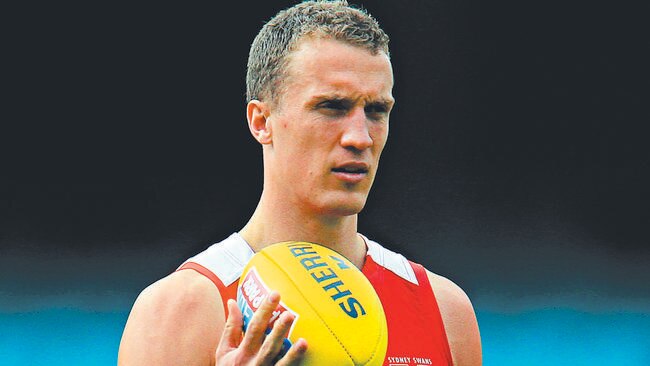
(416, 334)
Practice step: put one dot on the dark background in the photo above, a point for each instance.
(517, 163)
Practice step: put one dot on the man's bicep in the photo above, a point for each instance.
(178, 320)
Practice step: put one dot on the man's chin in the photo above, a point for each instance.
(345, 211)
(347, 207)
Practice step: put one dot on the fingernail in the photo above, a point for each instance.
(301, 343)
(273, 297)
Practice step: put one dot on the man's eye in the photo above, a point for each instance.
(376, 111)
(333, 104)
(334, 108)
(376, 108)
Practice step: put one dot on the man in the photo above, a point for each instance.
(319, 90)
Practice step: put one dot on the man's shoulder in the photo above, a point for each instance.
(173, 301)
(180, 287)
(180, 309)
(448, 291)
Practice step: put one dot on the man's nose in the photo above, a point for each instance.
(356, 134)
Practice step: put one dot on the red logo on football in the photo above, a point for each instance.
(254, 291)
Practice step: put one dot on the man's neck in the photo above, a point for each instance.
(272, 225)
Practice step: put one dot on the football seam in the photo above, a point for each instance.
(316, 311)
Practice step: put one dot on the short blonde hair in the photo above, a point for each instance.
(268, 57)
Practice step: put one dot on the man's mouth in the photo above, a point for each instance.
(351, 172)
(352, 168)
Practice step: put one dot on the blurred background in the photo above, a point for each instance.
(517, 166)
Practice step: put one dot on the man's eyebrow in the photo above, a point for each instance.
(383, 102)
(386, 101)
(338, 97)
(323, 97)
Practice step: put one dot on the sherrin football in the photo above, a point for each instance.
(336, 308)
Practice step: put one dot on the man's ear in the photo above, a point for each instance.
(257, 113)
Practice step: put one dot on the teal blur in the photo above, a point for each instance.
(71, 336)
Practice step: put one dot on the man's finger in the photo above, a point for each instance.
(295, 354)
(255, 332)
(232, 332)
(274, 340)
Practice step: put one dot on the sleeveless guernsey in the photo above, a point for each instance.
(416, 334)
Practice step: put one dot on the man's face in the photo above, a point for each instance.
(330, 126)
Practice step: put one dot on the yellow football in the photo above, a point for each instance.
(336, 308)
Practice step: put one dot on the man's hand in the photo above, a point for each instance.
(255, 347)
